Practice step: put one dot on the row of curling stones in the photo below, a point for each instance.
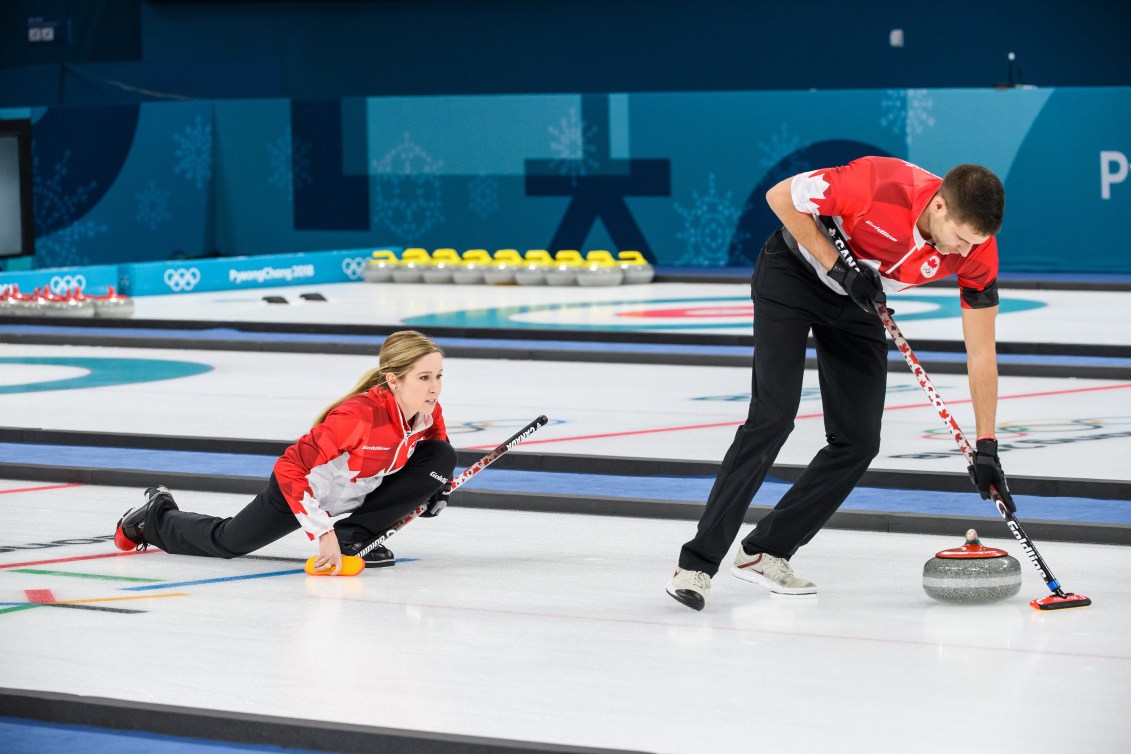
(972, 574)
(507, 267)
(73, 304)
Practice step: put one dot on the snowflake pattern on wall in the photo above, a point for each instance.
(574, 146)
(708, 227)
(289, 161)
(407, 194)
(152, 206)
(483, 196)
(782, 144)
(57, 208)
(194, 152)
(907, 112)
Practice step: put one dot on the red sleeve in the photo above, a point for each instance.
(328, 442)
(978, 275)
(845, 191)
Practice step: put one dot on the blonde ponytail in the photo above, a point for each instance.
(399, 353)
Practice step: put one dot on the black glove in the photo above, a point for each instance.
(437, 502)
(861, 283)
(987, 470)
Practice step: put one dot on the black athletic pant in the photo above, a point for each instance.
(268, 517)
(789, 300)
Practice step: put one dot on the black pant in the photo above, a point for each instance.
(268, 517)
(789, 299)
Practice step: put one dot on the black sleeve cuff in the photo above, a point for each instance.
(982, 299)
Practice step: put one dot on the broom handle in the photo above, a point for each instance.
(924, 381)
(467, 473)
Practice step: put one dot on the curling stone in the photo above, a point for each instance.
(411, 267)
(533, 269)
(113, 305)
(9, 302)
(25, 304)
(972, 574)
(70, 304)
(444, 263)
(472, 265)
(504, 266)
(380, 267)
(563, 270)
(636, 269)
(600, 270)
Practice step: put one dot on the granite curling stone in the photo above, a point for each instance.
(972, 574)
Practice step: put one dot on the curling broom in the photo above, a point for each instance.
(1059, 599)
(355, 564)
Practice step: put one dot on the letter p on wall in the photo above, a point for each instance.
(1113, 169)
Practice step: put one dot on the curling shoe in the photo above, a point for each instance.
(378, 557)
(690, 588)
(772, 572)
(130, 533)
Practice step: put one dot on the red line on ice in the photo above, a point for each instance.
(80, 557)
(41, 489)
(817, 415)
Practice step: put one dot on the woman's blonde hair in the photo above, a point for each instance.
(399, 352)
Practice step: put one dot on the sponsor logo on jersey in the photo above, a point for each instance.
(881, 231)
(930, 267)
(374, 447)
(438, 478)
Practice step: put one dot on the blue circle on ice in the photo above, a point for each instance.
(102, 372)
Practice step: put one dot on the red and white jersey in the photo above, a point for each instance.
(330, 470)
(875, 202)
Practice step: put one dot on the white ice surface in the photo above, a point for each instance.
(1085, 317)
(1056, 427)
(556, 628)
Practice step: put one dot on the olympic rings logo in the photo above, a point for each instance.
(353, 266)
(65, 283)
(182, 279)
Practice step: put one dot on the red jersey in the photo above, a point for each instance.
(875, 202)
(330, 470)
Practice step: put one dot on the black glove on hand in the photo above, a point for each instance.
(987, 470)
(861, 283)
(437, 502)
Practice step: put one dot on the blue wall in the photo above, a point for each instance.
(680, 176)
(125, 50)
(438, 47)
(183, 129)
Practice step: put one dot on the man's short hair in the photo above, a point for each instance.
(975, 197)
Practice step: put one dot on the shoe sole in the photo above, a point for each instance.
(121, 541)
(756, 578)
(695, 603)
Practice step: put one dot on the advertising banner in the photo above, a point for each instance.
(229, 273)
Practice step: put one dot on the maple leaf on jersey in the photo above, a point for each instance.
(807, 189)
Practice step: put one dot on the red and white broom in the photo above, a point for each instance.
(354, 564)
(1059, 599)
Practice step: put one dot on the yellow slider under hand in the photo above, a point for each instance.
(351, 566)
